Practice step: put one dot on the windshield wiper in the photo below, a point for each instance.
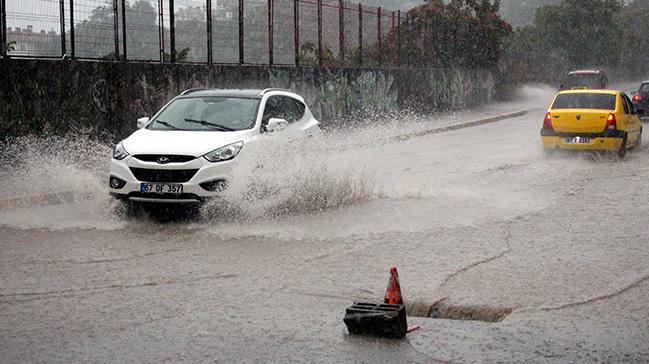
(167, 124)
(212, 125)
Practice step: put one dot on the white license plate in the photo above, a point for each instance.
(578, 140)
(160, 188)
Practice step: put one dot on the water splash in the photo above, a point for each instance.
(278, 176)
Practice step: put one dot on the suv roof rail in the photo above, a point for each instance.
(266, 90)
(597, 70)
(190, 90)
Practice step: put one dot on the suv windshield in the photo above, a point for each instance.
(585, 101)
(644, 88)
(588, 80)
(207, 114)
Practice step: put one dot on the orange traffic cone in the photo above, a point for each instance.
(393, 293)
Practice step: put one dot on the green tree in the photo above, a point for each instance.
(583, 31)
(580, 34)
(465, 33)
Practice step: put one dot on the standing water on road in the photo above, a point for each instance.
(60, 182)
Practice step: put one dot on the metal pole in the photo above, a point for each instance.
(115, 29)
(378, 36)
(72, 29)
(296, 30)
(161, 29)
(360, 34)
(123, 29)
(62, 19)
(270, 32)
(172, 31)
(393, 40)
(320, 33)
(3, 28)
(209, 31)
(409, 31)
(398, 48)
(241, 32)
(341, 30)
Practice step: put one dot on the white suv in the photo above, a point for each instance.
(186, 152)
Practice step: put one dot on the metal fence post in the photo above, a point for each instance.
(409, 40)
(123, 29)
(3, 28)
(397, 58)
(393, 40)
(320, 33)
(270, 32)
(379, 57)
(72, 29)
(241, 32)
(296, 30)
(360, 34)
(341, 30)
(161, 29)
(115, 28)
(209, 31)
(172, 32)
(62, 19)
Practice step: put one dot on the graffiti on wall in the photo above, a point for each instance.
(100, 97)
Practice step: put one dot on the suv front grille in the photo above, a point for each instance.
(163, 175)
(171, 158)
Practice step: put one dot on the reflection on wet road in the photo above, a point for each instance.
(476, 216)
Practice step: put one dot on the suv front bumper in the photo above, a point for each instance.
(192, 191)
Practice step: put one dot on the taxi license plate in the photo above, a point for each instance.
(161, 188)
(578, 140)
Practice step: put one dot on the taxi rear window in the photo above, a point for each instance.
(585, 101)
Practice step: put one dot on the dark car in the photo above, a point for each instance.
(641, 98)
(586, 79)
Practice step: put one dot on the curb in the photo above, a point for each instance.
(467, 124)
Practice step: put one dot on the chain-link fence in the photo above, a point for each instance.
(277, 32)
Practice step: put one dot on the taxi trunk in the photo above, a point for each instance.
(579, 120)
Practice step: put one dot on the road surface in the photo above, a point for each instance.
(477, 217)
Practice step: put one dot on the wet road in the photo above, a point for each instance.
(478, 217)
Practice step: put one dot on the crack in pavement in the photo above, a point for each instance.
(602, 297)
(507, 249)
(31, 296)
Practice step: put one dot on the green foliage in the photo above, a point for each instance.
(580, 34)
(181, 55)
(11, 46)
(309, 55)
(460, 33)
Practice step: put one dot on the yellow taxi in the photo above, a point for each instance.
(595, 120)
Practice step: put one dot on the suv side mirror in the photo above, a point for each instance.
(275, 124)
(141, 122)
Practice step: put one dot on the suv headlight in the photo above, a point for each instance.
(224, 153)
(119, 153)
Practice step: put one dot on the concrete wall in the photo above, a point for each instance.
(59, 96)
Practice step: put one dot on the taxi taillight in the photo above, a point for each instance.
(611, 122)
(547, 122)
